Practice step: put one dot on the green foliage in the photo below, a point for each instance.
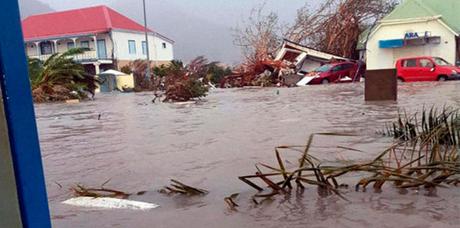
(60, 78)
(216, 72)
(184, 83)
(126, 69)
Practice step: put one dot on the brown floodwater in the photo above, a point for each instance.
(139, 146)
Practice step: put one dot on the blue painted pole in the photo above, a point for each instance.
(20, 119)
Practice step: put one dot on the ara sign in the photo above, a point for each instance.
(416, 35)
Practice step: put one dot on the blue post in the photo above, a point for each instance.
(20, 118)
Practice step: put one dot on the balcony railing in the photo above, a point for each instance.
(87, 56)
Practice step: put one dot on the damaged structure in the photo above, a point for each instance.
(306, 59)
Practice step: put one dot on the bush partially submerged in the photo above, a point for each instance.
(186, 82)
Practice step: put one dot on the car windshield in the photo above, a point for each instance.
(441, 62)
(323, 68)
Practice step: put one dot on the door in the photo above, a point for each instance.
(349, 72)
(426, 70)
(101, 49)
(409, 70)
(336, 73)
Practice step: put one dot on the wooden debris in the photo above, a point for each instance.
(230, 201)
(180, 188)
(80, 190)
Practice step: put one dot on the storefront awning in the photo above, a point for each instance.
(395, 43)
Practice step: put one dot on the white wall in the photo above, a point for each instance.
(382, 58)
(157, 52)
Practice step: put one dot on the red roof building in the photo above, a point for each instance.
(84, 21)
(110, 37)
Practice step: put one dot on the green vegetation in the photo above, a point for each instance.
(60, 78)
(180, 82)
(186, 82)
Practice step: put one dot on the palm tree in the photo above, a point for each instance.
(60, 78)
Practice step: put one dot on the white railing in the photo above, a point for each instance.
(87, 56)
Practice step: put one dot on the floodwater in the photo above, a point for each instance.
(139, 146)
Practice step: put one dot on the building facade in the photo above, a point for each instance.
(110, 39)
(415, 28)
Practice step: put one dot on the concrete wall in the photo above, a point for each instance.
(157, 51)
(379, 58)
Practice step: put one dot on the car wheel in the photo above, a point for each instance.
(325, 81)
(400, 80)
(442, 78)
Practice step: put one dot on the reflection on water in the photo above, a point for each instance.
(140, 146)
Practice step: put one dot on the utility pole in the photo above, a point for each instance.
(147, 71)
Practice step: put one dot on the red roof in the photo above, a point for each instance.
(76, 22)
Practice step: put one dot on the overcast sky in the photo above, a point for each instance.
(199, 27)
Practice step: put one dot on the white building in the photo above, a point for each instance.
(112, 40)
(415, 28)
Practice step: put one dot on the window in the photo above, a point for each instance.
(441, 62)
(323, 68)
(348, 66)
(337, 68)
(70, 45)
(46, 48)
(132, 46)
(84, 44)
(164, 45)
(410, 63)
(426, 63)
(144, 48)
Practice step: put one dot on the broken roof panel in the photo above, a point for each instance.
(289, 50)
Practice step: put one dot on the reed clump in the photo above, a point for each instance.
(426, 155)
(446, 121)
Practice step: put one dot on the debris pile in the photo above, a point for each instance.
(258, 73)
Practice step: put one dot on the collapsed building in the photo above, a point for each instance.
(305, 59)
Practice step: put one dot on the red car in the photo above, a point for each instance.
(339, 72)
(426, 68)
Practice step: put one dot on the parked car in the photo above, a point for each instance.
(426, 68)
(339, 72)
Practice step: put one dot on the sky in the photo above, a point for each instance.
(199, 27)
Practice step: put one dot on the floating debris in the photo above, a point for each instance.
(109, 203)
(180, 188)
(230, 200)
(80, 190)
